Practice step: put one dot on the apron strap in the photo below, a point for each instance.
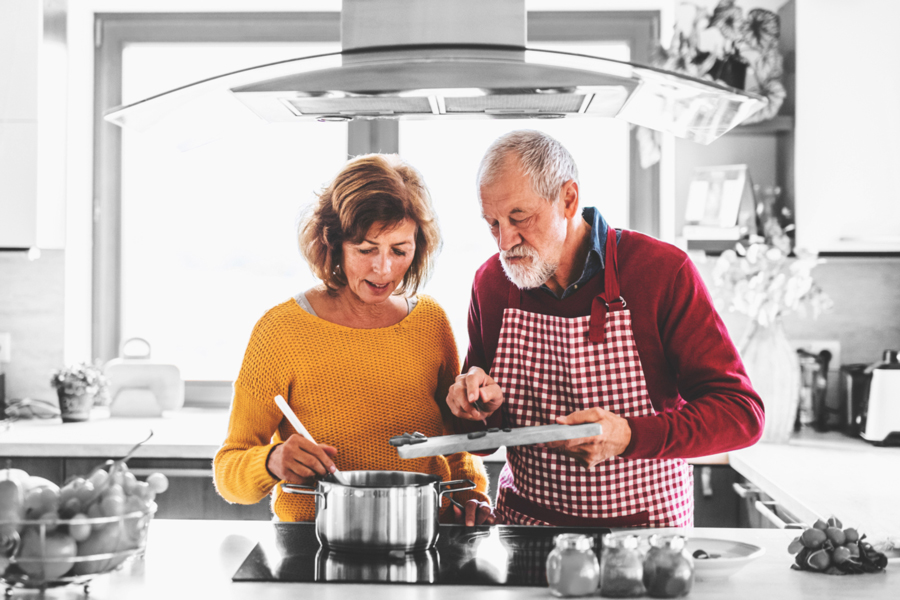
(610, 298)
(515, 296)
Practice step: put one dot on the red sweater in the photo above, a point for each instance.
(695, 377)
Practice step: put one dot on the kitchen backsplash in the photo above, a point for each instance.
(31, 309)
(865, 319)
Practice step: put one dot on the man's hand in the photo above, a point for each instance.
(474, 385)
(591, 451)
(476, 513)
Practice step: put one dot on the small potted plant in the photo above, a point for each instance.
(79, 387)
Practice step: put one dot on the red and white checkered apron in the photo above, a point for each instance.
(551, 366)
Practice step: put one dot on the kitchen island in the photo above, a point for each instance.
(196, 559)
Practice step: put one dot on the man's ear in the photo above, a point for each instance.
(568, 195)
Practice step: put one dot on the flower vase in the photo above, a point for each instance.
(74, 407)
(774, 370)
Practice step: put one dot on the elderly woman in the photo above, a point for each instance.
(360, 358)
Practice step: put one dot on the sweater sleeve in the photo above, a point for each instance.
(721, 411)
(239, 467)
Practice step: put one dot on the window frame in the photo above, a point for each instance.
(114, 31)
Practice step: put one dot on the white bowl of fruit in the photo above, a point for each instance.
(51, 535)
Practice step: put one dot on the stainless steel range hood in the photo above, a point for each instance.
(434, 59)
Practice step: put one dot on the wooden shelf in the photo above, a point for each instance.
(780, 124)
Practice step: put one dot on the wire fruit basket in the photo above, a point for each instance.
(41, 554)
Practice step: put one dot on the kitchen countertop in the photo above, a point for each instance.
(196, 559)
(186, 433)
(816, 475)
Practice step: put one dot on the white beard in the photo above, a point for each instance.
(527, 276)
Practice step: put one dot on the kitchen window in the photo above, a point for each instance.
(191, 248)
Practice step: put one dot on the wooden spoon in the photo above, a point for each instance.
(292, 418)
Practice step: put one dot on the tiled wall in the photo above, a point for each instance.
(31, 309)
(866, 314)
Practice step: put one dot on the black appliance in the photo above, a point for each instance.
(482, 555)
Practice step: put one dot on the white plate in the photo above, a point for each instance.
(726, 557)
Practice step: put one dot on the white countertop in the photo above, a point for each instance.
(818, 475)
(186, 433)
(196, 559)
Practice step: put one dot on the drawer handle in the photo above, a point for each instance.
(768, 514)
(173, 472)
(745, 491)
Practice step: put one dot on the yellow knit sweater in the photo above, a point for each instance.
(352, 389)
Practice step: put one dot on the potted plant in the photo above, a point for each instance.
(79, 387)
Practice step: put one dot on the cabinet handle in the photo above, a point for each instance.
(768, 514)
(173, 472)
(706, 481)
(745, 491)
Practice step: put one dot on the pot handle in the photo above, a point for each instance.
(305, 490)
(469, 485)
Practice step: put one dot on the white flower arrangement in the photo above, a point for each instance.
(764, 282)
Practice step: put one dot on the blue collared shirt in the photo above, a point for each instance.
(596, 258)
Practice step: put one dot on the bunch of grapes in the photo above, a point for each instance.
(49, 532)
(827, 548)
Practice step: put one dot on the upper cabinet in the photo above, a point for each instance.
(847, 153)
(32, 124)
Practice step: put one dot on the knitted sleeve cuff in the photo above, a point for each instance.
(257, 473)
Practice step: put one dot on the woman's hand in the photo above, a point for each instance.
(298, 460)
(476, 513)
(474, 386)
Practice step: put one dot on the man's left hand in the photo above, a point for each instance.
(592, 451)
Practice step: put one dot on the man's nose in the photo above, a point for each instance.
(508, 237)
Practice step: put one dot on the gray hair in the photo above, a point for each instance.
(542, 158)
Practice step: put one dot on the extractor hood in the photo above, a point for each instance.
(436, 59)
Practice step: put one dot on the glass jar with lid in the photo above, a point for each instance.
(572, 566)
(621, 567)
(668, 568)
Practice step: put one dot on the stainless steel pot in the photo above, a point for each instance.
(378, 510)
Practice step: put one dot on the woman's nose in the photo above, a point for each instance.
(382, 263)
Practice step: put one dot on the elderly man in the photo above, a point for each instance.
(574, 322)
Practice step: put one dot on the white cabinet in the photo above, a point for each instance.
(32, 134)
(848, 126)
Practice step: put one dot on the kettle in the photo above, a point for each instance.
(880, 420)
(854, 392)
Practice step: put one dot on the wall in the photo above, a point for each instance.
(31, 309)
(865, 318)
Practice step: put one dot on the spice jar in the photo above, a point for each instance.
(668, 568)
(572, 567)
(621, 567)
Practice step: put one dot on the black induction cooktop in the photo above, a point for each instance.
(483, 555)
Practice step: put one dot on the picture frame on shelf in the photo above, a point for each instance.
(721, 208)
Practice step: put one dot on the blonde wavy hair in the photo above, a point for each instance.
(370, 189)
